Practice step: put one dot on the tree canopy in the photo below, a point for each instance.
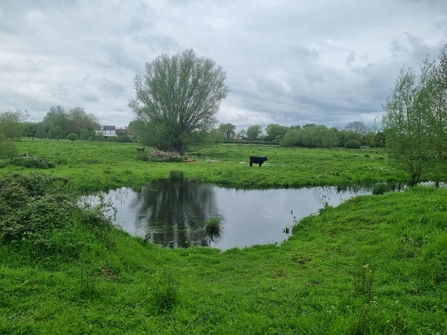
(275, 132)
(58, 124)
(228, 130)
(357, 127)
(415, 121)
(12, 123)
(254, 132)
(177, 99)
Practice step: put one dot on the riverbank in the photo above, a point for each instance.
(373, 265)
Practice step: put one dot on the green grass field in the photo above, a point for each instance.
(93, 166)
(373, 265)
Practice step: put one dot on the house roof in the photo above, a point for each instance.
(106, 128)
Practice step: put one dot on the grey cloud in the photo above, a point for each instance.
(157, 42)
(111, 89)
(287, 62)
(350, 59)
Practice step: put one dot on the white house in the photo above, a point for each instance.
(108, 131)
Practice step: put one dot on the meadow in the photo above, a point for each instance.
(94, 166)
(373, 265)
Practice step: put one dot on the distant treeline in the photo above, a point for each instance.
(355, 135)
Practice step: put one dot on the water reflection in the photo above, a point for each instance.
(173, 213)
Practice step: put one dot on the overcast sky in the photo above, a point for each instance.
(290, 62)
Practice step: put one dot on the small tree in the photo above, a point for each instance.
(12, 123)
(254, 132)
(408, 133)
(177, 99)
(242, 133)
(55, 132)
(228, 130)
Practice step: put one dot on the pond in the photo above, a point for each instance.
(173, 213)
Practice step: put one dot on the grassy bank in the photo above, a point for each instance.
(373, 265)
(93, 166)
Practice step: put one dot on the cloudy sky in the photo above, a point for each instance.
(290, 62)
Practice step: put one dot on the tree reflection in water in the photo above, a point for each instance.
(173, 212)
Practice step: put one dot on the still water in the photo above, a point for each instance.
(173, 213)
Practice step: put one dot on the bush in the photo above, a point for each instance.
(124, 138)
(39, 217)
(352, 144)
(32, 162)
(72, 137)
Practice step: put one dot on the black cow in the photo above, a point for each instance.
(257, 160)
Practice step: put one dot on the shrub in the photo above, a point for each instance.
(32, 162)
(352, 144)
(124, 138)
(39, 217)
(72, 137)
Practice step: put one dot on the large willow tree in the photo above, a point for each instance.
(177, 100)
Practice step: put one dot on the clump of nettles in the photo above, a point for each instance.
(40, 217)
(32, 162)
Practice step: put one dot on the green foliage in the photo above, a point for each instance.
(72, 137)
(39, 218)
(213, 226)
(11, 123)
(177, 100)
(57, 123)
(311, 136)
(32, 162)
(291, 139)
(164, 293)
(352, 144)
(254, 133)
(246, 142)
(275, 132)
(378, 140)
(176, 175)
(228, 130)
(8, 148)
(124, 138)
(55, 132)
(346, 136)
(414, 124)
